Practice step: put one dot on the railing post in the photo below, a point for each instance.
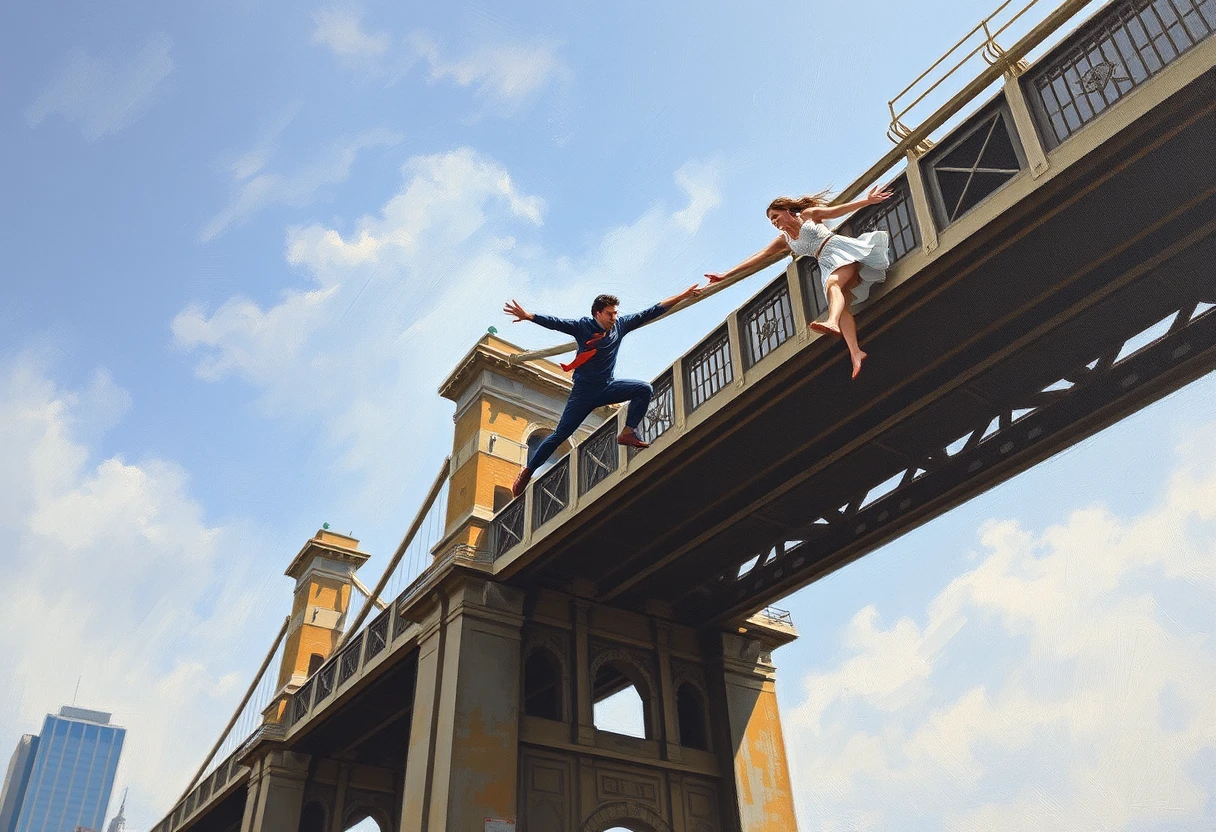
(797, 301)
(572, 475)
(920, 203)
(679, 402)
(622, 451)
(1023, 122)
(528, 500)
(736, 348)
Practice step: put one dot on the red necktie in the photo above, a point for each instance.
(586, 355)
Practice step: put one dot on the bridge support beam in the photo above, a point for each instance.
(763, 794)
(275, 794)
(462, 761)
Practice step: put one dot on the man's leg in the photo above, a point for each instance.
(638, 394)
(578, 408)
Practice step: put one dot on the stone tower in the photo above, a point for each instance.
(502, 410)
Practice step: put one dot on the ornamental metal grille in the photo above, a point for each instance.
(177, 815)
(325, 681)
(812, 287)
(377, 633)
(221, 773)
(301, 702)
(597, 457)
(508, 527)
(896, 216)
(190, 804)
(348, 662)
(204, 791)
(975, 166)
(767, 322)
(660, 415)
(551, 493)
(1120, 50)
(709, 369)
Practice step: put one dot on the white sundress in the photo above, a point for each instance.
(870, 251)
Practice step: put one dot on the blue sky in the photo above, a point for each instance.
(243, 242)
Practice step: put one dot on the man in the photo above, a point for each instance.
(598, 339)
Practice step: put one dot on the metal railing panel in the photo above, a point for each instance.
(1117, 51)
(551, 493)
(708, 369)
(507, 530)
(597, 457)
(766, 322)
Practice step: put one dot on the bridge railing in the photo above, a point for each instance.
(1112, 54)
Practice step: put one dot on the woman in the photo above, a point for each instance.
(846, 264)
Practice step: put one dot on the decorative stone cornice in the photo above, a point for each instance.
(494, 354)
(332, 547)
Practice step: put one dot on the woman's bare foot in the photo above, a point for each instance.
(857, 359)
(825, 328)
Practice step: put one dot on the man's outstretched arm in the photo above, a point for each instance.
(547, 321)
(637, 319)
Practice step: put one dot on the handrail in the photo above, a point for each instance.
(940, 116)
(989, 46)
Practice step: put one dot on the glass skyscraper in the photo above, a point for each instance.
(73, 772)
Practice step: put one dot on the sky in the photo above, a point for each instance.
(241, 243)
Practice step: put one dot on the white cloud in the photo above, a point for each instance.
(502, 74)
(1094, 641)
(340, 30)
(114, 576)
(393, 302)
(254, 190)
(507, 74)
(701, 181)
(102, 95)
(253, 160)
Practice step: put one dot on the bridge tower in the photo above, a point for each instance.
(502, 410)
(324, 572)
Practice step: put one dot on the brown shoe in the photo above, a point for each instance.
(628, 437)
(521, 482)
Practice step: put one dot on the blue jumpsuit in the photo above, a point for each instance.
(594, 385)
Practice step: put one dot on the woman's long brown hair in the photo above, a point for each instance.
(797, 204)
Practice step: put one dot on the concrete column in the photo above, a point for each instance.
(463, 756)
(583, 707)
(275, 794)
(763, 793)
(336, 821)
(670, 748)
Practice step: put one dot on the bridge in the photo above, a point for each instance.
(1054, 273)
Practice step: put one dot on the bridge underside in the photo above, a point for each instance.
(1008, 346)
(373, 728)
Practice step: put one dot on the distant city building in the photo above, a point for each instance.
(72, 773)
(15, 781)
(119, 823)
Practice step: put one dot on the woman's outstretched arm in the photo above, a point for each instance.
(770, 254)
(877, 194)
